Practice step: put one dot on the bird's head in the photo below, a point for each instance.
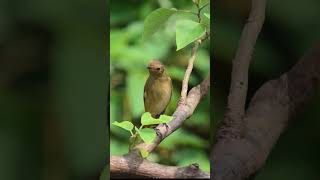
(155, 68)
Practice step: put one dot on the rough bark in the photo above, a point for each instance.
(133, 166)
(267, 116)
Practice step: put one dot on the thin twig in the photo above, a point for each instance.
(187, 74)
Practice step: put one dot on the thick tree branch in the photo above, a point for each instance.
(233, 125)
(273, 105)
(133, 166)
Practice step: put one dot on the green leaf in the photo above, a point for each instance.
(144, 153)
(127, 125)
(207, 15)
(147, 135)
(154, 21)
(165, 118)
(147, 119)
(188, 31)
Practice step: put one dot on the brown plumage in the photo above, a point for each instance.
(157, 90)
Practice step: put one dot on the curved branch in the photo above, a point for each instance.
(134, 166)
(269, 112)
(233, 125)
(187, 74)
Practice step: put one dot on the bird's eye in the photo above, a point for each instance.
(158, 69)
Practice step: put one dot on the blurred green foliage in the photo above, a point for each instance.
(129, 56)
(53, 88)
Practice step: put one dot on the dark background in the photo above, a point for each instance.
(291, 27)
(53, 87)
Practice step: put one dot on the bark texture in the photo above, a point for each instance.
(267, 116)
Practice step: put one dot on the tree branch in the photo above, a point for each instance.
(233, 125)
(187, 74)
(269, 112)
(133, 165)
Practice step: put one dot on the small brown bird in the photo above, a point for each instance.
(157, 90)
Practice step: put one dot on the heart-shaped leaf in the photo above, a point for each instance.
(188, 31)
(147, 135)
(154, 21)
(127, 125)
(164, 118)
(147, 119)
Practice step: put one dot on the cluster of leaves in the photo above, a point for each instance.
(146, 134)
(187, 31)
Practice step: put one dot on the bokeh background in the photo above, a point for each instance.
(291, 27)
(53, 89)
(129, 57)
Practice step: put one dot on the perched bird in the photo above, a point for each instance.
(157, 90)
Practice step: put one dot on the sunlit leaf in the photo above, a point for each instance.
(127, 125)
(147, 135)
(154, 21)
(188, 31)
(147, 119)
(164, 118)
